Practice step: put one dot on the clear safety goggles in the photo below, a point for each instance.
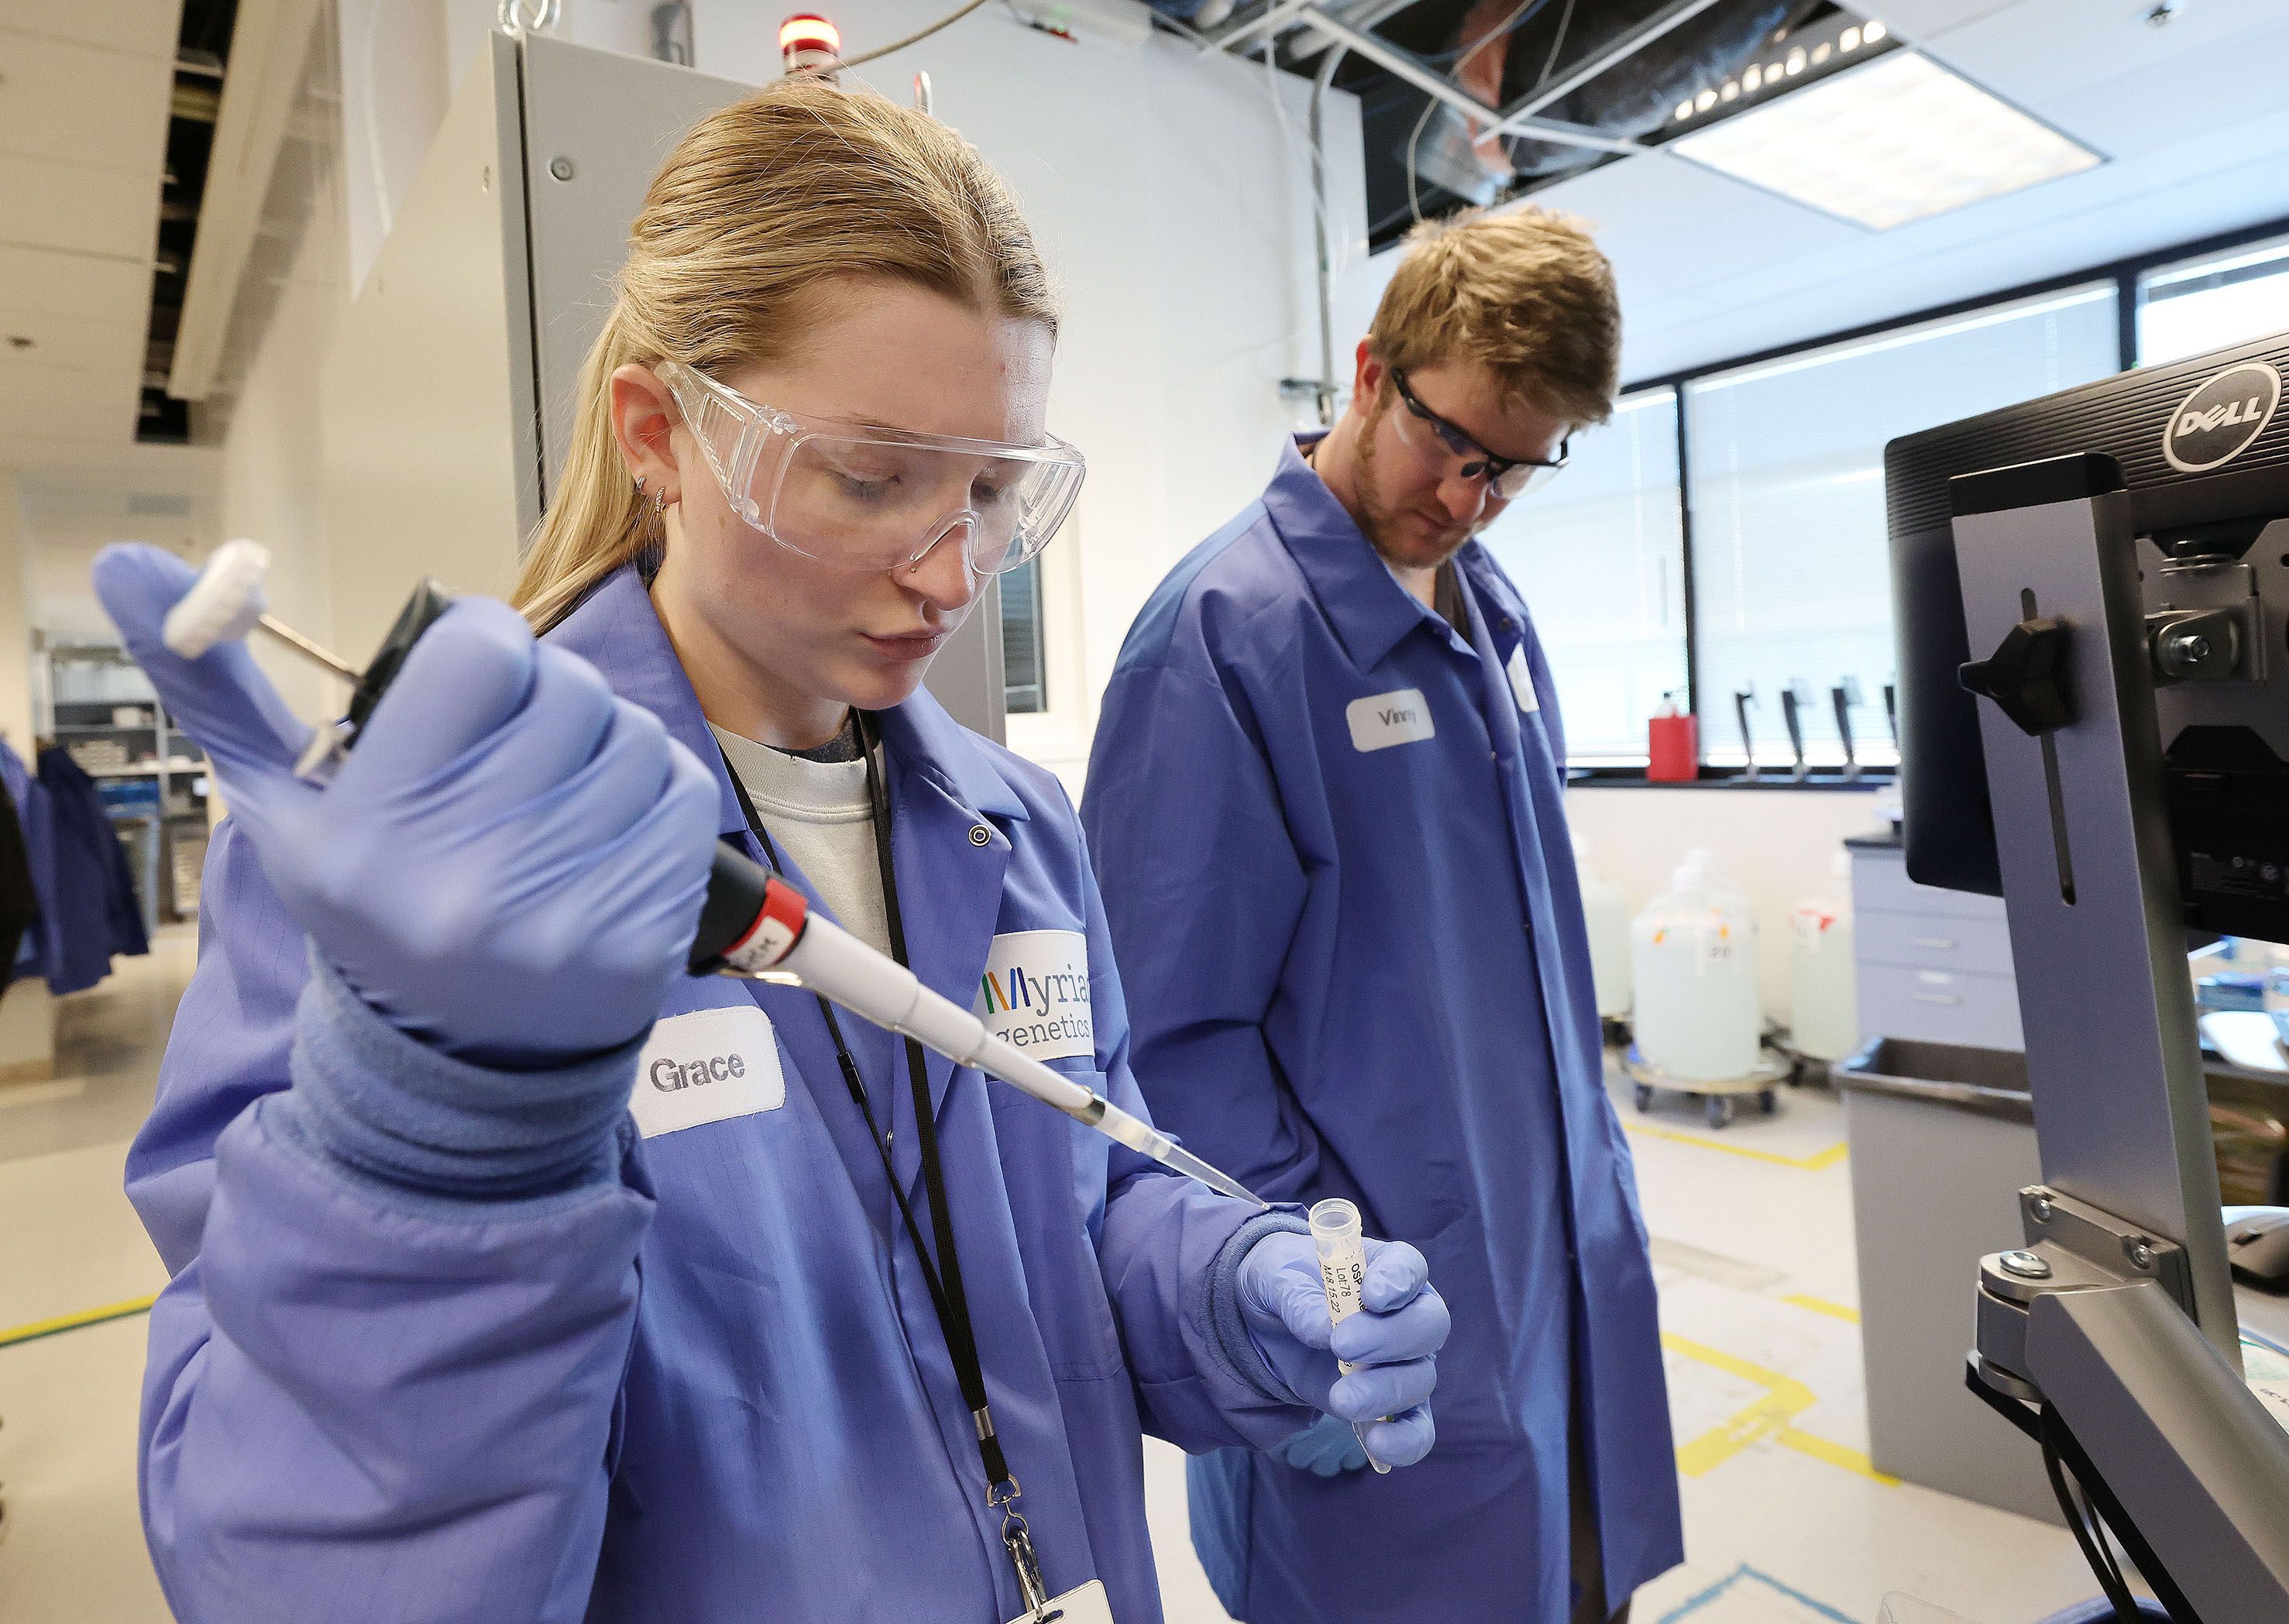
(860, 497)
(1506, 477)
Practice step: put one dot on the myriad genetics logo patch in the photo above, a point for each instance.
(1034, 993)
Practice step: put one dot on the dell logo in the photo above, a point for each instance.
(2222, 418)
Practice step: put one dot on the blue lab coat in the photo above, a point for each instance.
(103, 916)
(43, 952)
(711, 1388)
(1332, 841)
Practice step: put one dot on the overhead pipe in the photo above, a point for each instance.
(1319, 86)
(1515, 118)
(1271, 18)
(258, 91)
(1399, 63)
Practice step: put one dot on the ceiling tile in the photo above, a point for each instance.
(84, 346)
(85, 287)
(2190, 116)
(2147, 106)
(2047, 48)
(79, 207)
(142, 28)
(57, 403)
(150, 467)
(2154, 205)
(1920, 19)
(1665, 222)
(78, 104)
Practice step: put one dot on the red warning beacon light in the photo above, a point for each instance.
(810, 44)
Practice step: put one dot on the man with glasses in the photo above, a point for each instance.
(1325, 809)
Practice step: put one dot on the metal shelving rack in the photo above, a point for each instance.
(164, 842)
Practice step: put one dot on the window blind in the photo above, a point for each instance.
(1598, 554)
(1791, 576)
(2208, 303)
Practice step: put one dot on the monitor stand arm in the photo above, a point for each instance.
(2115, 1324)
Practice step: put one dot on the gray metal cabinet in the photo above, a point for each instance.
(1935, 965)
(502, 257)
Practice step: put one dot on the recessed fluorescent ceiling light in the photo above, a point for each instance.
(1896, 140)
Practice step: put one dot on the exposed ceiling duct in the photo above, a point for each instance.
(202, 51)
(1512, 54)
(1475, 102)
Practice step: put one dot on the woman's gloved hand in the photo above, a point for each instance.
(509, 865)
(1327, 1448)
(1402, 1324)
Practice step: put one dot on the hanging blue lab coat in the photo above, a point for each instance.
(103, 918)
(42, 954)
(709, 1386)
(1331, 838)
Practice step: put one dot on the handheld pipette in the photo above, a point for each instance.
(753, 924)
(1343, 1271)
(757, 926)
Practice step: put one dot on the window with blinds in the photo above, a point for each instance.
(1024, 683)
(2209, 303)
(1600, 555)
(1791, 578)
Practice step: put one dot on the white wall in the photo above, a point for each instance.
(1777, 844)
(15, 622)
(272, 457)
(1175, 210)
(395, 83)
(401, 61)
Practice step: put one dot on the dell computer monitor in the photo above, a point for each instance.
(2201, 448)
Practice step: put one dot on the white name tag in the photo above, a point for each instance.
(1521, 681)
(706, 1066)
(1087, 1606)
(1035, 993)
(1383, 719)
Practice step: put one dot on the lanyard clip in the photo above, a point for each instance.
(1020, 1542)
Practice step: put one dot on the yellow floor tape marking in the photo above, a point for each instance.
(72, 1322)
(1822, 1305)
(1815, 1163)
(1768, 1415)
(1836, 1454)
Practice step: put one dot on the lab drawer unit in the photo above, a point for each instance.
(1935, 965)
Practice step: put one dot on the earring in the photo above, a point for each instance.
(640, 483)
(659, 504)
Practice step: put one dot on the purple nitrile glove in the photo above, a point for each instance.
(1391, 1342)
(508, 867)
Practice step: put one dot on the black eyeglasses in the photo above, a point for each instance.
(1507, 477)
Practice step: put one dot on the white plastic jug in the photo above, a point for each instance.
(1607, 912)
(1694, 955)
(1823, 996)
(1730, 896)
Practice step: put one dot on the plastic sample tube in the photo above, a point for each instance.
(1343, 1271)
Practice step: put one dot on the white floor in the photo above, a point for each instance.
(69, 1243)
(1786, 1522)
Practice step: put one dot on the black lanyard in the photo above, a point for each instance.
(947, 1297)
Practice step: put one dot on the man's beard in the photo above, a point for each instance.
(1385, 525)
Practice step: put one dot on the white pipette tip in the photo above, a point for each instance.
(224, 604)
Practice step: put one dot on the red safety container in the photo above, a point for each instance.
(1673, 743)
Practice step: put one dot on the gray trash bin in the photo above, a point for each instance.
(1943, 1141)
